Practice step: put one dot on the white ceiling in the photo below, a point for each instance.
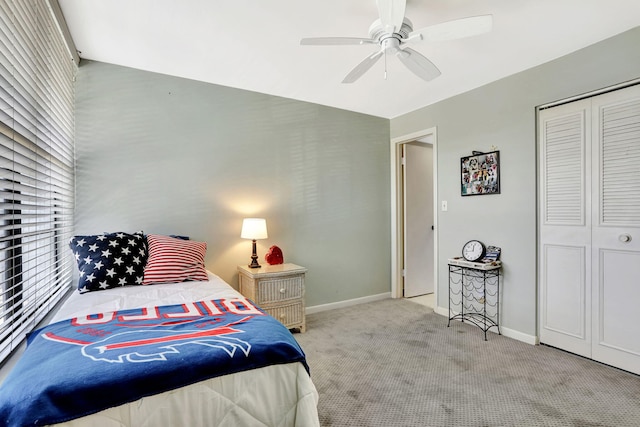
(255, 44)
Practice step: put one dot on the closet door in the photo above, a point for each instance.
(616, 229)
(565, 227)
(589, 228)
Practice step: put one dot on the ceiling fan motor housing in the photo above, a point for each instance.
(378, 32)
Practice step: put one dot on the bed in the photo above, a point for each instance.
(213, 321)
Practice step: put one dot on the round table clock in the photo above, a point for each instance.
(473, 250)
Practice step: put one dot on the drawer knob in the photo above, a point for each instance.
(283, 290)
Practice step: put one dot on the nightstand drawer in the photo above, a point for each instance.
(289, 314)
(280, 289)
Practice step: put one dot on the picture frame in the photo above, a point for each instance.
(480, 174)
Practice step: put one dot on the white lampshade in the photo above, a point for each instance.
(254, 228)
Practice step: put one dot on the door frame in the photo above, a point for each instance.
(428, 135)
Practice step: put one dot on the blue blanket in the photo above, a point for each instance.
(83, 365)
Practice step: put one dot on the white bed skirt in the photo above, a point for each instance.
(275, 396)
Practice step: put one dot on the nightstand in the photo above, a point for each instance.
(278, 290)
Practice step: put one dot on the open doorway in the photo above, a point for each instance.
(414, 220)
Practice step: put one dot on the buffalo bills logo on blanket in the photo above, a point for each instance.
(148, 345)
(153, 334)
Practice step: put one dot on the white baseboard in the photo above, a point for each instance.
(517, 335)
(507, 332)
(441, 311)
(347, 303)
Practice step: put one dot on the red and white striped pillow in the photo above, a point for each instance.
(174, 260)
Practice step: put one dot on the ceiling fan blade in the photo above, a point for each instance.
(418, 64)
(391, 14)
(333, 41)
(363, 67)
(456, 29)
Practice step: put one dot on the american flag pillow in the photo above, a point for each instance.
(109, 260)
(174, 260)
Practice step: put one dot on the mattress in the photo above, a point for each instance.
(126, 297)
(276, 395)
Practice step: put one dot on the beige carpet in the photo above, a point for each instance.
(395, 363)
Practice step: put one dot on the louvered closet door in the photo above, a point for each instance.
(589, 251)
(565, 227)
(616, 229)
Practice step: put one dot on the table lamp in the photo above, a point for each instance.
(254, 229)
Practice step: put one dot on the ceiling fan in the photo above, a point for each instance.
(393, 31)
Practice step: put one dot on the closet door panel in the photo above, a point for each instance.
(565, 295)
(565, 228)
(616, 229)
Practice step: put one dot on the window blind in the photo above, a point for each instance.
(36, 167)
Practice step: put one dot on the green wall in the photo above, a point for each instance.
(175, 156)
(503, 114)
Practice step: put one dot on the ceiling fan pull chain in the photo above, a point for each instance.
(385, 65)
